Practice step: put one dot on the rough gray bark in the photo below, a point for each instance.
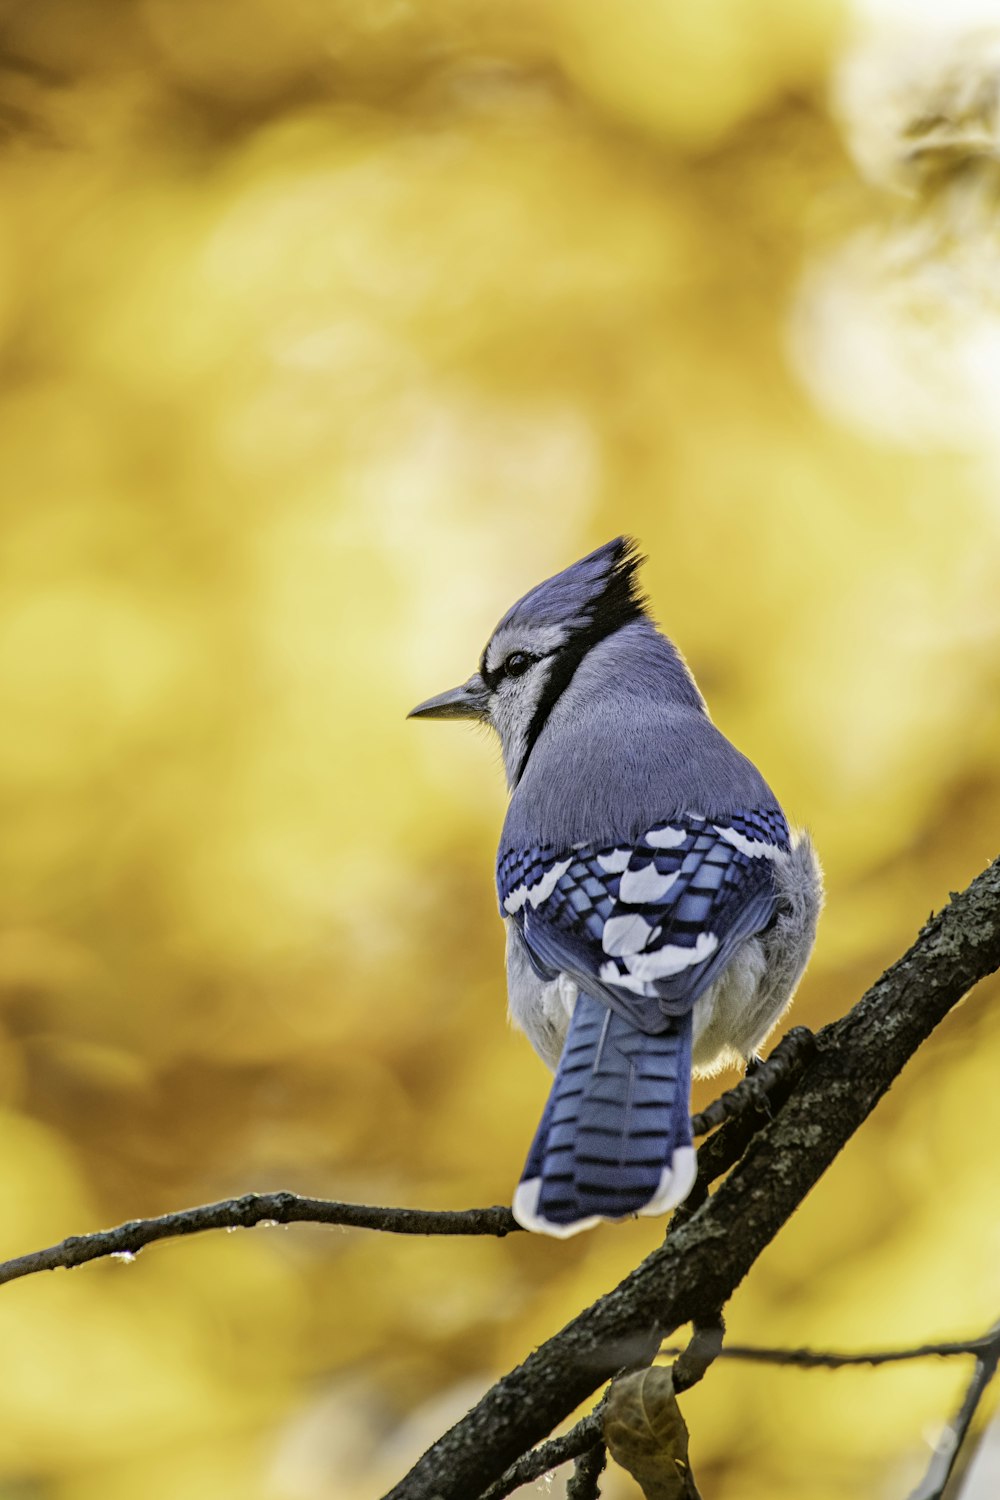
(707, 1254)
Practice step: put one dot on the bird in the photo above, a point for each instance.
(659, 909)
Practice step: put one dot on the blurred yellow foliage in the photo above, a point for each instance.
(328, 329)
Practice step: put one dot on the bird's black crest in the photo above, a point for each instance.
(622, 599)
(609, 598)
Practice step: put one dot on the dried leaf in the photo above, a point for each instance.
(647, 1435)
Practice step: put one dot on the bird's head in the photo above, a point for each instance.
(534, 651)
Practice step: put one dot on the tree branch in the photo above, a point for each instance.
(696, 1270)
(691, 1365)
(810, 1096)
(743, 1103)
(821, 1359)
(755, 1092)
(587, 1471)
(704, 1347)
(747, 1103)
(942, 1465)
(243, 1213)
(541, 1460)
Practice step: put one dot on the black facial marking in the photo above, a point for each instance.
(514, 664)
(491, 678)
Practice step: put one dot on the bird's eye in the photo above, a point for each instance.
(517, 663)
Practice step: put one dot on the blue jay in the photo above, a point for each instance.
(659, 912)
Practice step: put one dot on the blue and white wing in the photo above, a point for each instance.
(643, 929)
(647, 926)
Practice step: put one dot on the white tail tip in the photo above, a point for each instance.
(676, 1181)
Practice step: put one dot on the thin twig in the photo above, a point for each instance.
(587, 1471)
(256, 1208)
(541, 1460)
(818, 1359)
(693, 1363)
(942, 1465)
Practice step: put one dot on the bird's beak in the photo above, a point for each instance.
(470, 701)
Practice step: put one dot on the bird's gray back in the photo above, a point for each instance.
(627, 744)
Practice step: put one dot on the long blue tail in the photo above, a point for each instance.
(615, 1137)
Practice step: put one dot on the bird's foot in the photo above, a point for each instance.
(763, 1076)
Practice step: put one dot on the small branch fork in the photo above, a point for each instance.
(583, 1441)
(934, 1485)
(575, 1444)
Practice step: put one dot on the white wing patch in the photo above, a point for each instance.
(644, 969)
(641, 886)
(648, 916)
(626, 935)
(752, 848)
(539, 892)
(609, 972)
(671, 958)
(665, 838)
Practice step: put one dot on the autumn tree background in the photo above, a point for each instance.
(327, 329)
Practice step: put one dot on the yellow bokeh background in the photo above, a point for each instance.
(327, 330)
